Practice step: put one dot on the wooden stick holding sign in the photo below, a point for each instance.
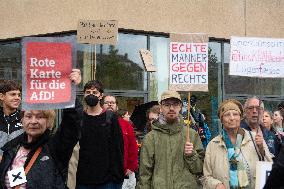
(188, 119)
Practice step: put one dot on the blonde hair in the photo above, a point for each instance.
(48, 114)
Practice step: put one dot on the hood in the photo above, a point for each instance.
(161, 125)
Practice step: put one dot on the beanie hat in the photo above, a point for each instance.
(230, 104)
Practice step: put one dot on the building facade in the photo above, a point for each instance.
(146, 24)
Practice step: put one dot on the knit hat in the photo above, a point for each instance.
(230, 104)
(170, 94)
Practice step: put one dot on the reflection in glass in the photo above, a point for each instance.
(10, 61)
(120, 67)
(159, 80)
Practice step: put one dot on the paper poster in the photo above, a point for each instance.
(188, 62)
(257, 57)
(97, 31)
(47, 64)
(147, 59)
(262, 172)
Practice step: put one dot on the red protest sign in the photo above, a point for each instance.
(47, 67)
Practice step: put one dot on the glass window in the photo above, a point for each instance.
(120, 67)
(159, 81)
(10, 61)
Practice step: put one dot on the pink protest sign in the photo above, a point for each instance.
(47, 63)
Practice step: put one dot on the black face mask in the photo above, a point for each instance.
(91, 100)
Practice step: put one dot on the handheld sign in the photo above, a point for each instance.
(97, 31)
(188, 62)
(147, 59)
(257, 57)
(263, 170)
(46, 65)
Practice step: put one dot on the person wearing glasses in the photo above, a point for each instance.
(253, 122)
(171, 155)
(230, 159)
(130, 145)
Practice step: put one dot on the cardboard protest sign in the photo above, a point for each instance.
(97, 31)
(263, 170)
(46, 65)
(147, 59)
(188, 62)
(257, 57)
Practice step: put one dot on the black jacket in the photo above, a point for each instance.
(10, 127)
(101, 151)
(50, 168)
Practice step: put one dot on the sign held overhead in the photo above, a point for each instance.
(257, 57)
(188, 62)
(97, 31)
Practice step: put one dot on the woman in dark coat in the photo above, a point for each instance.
(47, 155)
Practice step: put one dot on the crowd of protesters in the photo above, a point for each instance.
(95, 146)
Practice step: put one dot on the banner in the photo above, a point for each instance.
(46, 66)
(188, 62)
(257, 57)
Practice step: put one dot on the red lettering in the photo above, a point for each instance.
(174, 47)
(175, 67)
(203, 48)
(182, 67)
(180, 48)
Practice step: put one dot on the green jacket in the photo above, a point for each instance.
(163, 164)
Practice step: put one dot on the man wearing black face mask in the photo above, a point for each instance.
(100, 162)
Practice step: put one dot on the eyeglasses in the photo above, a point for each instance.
(110, 102)
(168, 105)
(254, 107)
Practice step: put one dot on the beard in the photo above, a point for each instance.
(172, 120)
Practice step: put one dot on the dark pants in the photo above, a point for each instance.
(109, 185)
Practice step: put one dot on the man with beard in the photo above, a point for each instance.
(10, 119)
(101, 145)
(169, 157)
(130, 145)
(253, 116)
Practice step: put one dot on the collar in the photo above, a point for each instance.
(15, 116)
(219, 139)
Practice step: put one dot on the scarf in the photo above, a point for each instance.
(237, 172)
(33, 146)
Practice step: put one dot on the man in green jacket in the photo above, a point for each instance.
(170, 159)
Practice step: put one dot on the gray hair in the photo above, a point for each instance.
(261, 104)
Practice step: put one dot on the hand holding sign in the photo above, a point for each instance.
(188, 148)
(75, 76)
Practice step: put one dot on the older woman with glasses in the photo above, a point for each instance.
(231, 157)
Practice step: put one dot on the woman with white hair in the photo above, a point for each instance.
(230, 159)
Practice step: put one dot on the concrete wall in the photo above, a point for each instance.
(218, 18)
